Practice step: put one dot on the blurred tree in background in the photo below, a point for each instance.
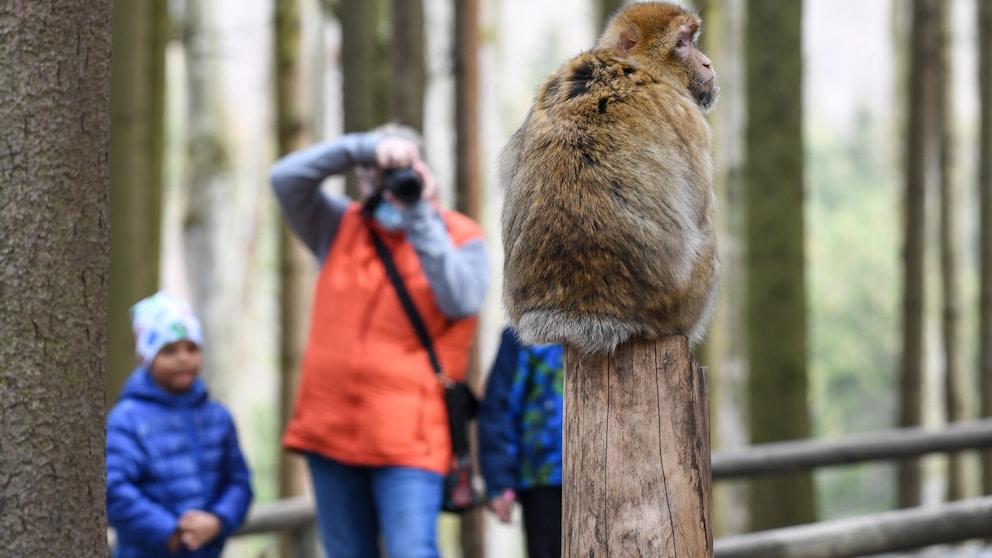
(922, 153)
(984, 25)
(137, 122)
(775, 262)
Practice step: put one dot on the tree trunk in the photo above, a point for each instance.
(956, 378)
(209, 188)
(921, 153)
(985, 201)
(296, 269)
(359, 57)
(409, 74)
(468, 198)
(137, 143)
(228, 231)
(724, 350)
(468, 188)
(54, 238)
(776, 307)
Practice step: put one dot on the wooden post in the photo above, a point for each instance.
(636, 473)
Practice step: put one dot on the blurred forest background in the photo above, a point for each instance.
(853, 177)
(845, 307)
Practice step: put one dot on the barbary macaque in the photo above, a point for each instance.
(608, 191)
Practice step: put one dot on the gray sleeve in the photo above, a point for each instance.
(458, 276)
(312, 214)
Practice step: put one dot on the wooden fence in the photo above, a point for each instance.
(886, 532)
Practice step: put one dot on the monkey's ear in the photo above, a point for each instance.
(626, 41)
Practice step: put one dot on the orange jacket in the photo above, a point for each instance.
(368, 394)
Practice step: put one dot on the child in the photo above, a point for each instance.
(177, 483)
(520, 448)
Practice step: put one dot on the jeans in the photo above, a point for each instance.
(356, 504)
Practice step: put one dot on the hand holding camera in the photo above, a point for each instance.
(405, 178)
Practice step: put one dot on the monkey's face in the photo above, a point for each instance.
(698, 67)
(663, 37)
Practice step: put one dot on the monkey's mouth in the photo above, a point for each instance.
(706, 98)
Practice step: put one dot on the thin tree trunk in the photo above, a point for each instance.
(409, 74)
(210, 188)
(54, 238)
(468, 196)
(296, 269)
(724, 349)
(357, 56)
(363, 87)
(985, 196)
(776, 307)
(921, 154)
(137, 143)
(956, 380)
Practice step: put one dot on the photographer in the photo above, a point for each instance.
(369, 415)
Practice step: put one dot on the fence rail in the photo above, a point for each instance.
(871, 534)
(291, 514)
(899, 443)
(884, 532)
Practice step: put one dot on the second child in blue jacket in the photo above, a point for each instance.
(177, 483)
(520, 432)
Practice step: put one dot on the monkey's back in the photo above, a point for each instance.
(607, 231)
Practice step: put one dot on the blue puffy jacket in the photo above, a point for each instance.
(167, 454)
(520, 419)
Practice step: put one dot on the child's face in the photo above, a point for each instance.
(176, 366)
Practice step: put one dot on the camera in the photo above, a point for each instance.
(404, 184)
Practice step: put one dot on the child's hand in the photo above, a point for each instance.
(502, 505)
(198, 528)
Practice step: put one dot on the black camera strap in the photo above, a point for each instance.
(407, 302)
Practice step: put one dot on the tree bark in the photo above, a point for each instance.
(985, 217)
(922, 152)
(137, 142)
(776, 290)
(636, 473)
(54, 238)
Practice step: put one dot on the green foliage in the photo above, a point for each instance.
(853, 270)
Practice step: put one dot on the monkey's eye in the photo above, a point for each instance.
(680, 44)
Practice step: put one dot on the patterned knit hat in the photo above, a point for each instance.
(162, 319)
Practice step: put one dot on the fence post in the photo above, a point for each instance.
(636, 472)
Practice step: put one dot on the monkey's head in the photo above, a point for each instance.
(662, 38)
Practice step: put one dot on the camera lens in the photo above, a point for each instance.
(403, 184)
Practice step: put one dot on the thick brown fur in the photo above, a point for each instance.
(608, 185)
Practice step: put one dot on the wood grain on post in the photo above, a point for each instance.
(636, 472)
